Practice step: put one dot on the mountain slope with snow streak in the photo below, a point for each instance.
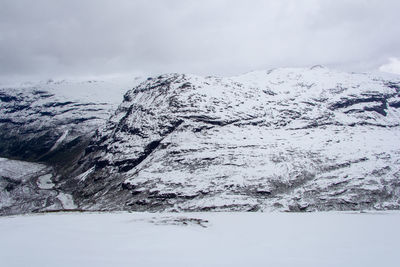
(284, 139)
(50, 123)
(37, 119)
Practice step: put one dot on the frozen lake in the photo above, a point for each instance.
(201, 239)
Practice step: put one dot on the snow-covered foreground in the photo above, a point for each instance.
(201, 239)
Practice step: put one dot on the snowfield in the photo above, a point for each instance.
(201, 239)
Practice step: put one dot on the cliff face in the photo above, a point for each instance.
(50, 123)
(285, 139)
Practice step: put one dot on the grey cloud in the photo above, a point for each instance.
(50, 38)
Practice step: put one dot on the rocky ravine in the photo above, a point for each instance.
(284, 139)
(50, 123)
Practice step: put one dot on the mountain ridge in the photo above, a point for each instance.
(189, 107)
(284, 139)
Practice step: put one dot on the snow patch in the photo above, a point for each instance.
(60, 140)
(19, 170)
(66, 200)
(82, 177)
(44, 182)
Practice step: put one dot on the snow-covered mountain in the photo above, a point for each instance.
(283, 139)
(49, 122)
(38, 119)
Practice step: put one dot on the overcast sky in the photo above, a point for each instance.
(56, 38)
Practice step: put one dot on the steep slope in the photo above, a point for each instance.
(37, 121)
(285, 139)
(51, 123)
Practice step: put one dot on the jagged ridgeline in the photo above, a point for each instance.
(285, 139)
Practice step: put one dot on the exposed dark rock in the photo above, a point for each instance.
(277, 140)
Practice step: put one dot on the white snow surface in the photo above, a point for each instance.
(201, 239)
(99, 90)
(67, 201)
(19, 170)
(44, 181)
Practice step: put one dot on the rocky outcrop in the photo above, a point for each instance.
(49, 123)
(285, 139)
